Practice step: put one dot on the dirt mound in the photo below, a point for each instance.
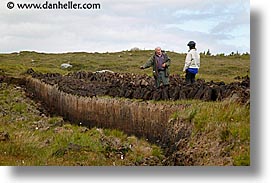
(135, 86)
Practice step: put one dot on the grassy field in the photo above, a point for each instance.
(28, 137)
(216, 68)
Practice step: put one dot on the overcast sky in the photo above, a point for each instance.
(223, 26)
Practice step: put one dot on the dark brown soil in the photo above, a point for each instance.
(142, 87)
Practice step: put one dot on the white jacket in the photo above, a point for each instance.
(192, 60)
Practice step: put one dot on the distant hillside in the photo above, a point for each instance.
(216, 68)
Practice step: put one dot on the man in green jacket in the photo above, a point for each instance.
(160, 63)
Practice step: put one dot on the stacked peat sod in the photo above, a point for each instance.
(135, 86)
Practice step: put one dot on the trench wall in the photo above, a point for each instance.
(139, 118)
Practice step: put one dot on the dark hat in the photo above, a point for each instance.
(191, 44)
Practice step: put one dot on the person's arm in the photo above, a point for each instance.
(199, 61)
(187, 61)
(167, 62)
(149, 63)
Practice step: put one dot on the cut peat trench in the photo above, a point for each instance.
(81, 97)
(126, 102)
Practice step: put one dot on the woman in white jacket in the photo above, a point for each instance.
(192, 63)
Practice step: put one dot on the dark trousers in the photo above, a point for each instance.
(189, 77)
(161, 78)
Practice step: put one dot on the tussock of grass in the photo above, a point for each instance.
(226, 124)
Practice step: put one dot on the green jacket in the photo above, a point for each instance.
(153, 62)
